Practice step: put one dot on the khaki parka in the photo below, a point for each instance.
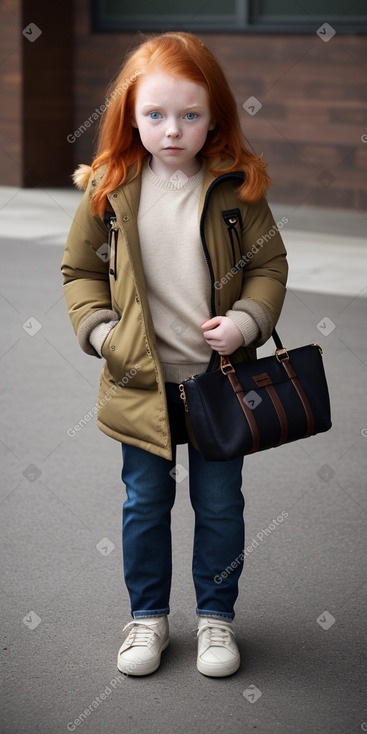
(104, 279)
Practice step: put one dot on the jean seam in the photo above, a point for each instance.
(215, 615)
(142, 613)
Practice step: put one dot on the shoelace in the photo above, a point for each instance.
(217, 635)
(139, 634)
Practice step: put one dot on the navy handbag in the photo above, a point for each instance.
(242, 408)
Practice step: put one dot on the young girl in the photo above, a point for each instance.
(173, 258)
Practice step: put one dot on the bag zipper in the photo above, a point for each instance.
(181, 388)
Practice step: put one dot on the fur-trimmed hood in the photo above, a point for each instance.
(82, 175)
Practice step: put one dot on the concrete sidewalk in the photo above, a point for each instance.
(301, 618)
(327, 248)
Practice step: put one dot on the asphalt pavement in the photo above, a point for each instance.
(301, 616)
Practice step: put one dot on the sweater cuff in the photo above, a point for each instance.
(246, 324)
(86, 328)
(258, 314)
(98, 335)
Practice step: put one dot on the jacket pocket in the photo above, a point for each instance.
(105, 350)
(112, 356)
(128, 361)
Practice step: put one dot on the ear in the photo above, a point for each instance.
(133, 122)
(212, 125)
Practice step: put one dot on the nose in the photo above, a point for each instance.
(172, 129)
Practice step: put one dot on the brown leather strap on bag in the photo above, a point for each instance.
(301, 394)
(264, 380)
(228, 370)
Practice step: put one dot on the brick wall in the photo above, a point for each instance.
(47, 92)
(36, 77)
(309, 127)
(11, 93)
(313, 97)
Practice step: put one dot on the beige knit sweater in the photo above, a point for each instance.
(176, 275)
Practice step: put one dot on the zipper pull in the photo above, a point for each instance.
(231, 217)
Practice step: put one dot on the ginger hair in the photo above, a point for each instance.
(119, 146)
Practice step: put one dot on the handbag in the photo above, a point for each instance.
(246, 407)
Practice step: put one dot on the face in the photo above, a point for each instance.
(173, 118)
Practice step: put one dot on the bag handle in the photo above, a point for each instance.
(277, 340)
(280, 352)
(282, 357)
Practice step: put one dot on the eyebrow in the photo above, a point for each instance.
(189, 107)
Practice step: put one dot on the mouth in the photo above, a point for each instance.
(173, 147)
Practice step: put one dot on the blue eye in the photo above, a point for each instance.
(154, 115)
(191, 115)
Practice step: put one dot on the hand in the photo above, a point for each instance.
(222, 334)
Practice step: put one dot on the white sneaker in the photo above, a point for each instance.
(218, 654)
(140, 653)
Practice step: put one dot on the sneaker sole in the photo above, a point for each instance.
(141, 668)
(217, 672)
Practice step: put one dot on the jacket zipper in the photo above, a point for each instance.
(235, 175)
(110, 221)
(112, 226)
(231, 218)
(224, 177)
(114, 234)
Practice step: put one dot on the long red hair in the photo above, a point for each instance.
(119, 145)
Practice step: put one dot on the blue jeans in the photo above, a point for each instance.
(218, 504)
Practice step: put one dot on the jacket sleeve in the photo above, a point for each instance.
(265, 271)
(85, 267)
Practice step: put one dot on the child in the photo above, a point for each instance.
(194, 267)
